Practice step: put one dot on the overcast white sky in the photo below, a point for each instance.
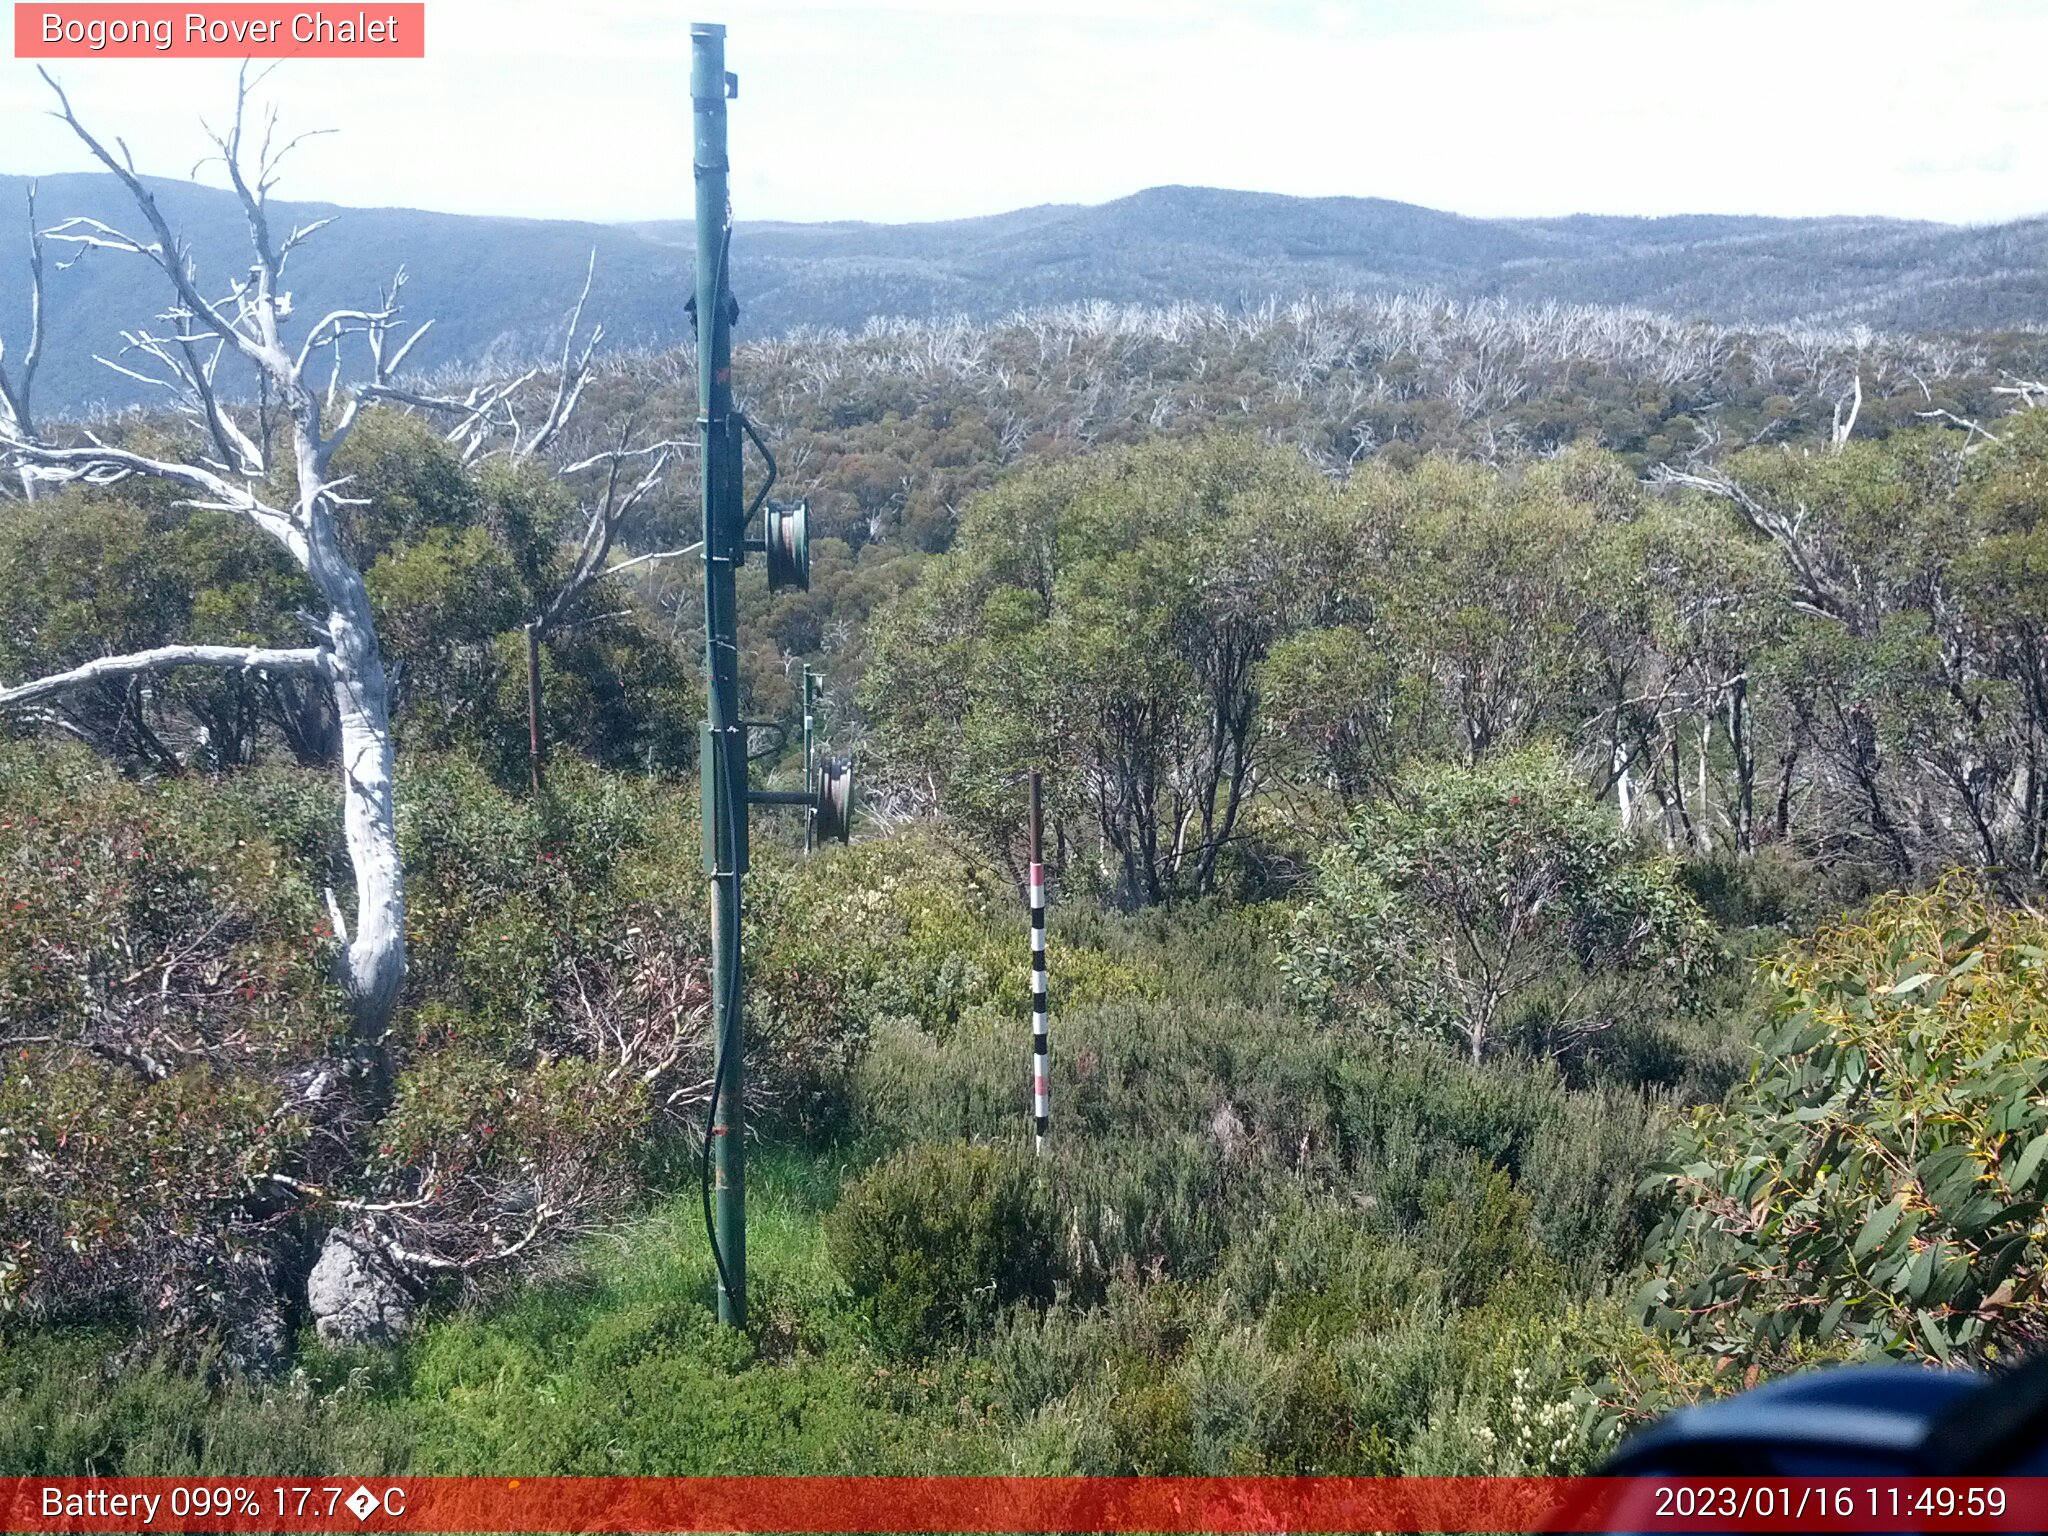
(941, 108)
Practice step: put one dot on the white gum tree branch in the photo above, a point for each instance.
(245, 330)
(97, 463)
(163, 658)
(569, 377)
(649, 559)
(245, 326)
(478, 417)
(489, 412)
(604, 516)
(1787, 530)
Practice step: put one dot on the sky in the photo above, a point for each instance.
(932, 109)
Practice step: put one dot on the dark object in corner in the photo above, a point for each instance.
(1855, 1421)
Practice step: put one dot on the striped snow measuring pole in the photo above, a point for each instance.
(1041, 1040)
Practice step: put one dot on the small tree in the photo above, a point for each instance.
(609, 485)
(1109, 619)
(1342, 709)
(1476, 899)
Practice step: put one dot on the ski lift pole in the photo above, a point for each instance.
(1041, 1038)
(785, 542)
(722, 758)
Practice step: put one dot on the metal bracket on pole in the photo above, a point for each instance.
(810, 739)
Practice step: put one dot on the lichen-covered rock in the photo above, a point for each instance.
(354, 1297)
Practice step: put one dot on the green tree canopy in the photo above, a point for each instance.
(1491, 903)
(1106, 619)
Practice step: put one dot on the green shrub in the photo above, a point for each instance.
(163, 978)
(1238, 1388)
(1480, 1231)
(1101, 1389)
(1155, 1205)
(1771, 887)
(940, 1238)
(167, 997)
(1507, 1389)
(1315, 1267)
(1878, 1185)
(1151, 1428)
(905, 928)
(1494, 904)
(1178, 1125)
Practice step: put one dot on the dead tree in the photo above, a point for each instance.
(1847, 408)
(486, 423)
(602, 516)
(183, 352)
(1818, 588)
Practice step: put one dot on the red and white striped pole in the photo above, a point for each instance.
(1041, 1039)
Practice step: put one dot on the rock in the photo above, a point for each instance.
(354, 1297)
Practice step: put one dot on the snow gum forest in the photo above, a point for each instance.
(1546, 811)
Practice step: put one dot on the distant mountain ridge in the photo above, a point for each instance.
(497, 288)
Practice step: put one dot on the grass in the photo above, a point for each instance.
(613, 1364)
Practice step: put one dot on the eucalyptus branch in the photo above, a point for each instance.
(242, 658)
(648, 559)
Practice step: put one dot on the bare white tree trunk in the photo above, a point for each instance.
(1846, 411)
(376, 950)
(17, 384)
(1703, 814)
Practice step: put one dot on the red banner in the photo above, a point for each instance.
(976, 1504)
(235, 31)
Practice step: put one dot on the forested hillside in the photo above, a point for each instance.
(497, 286)
(1547, 811)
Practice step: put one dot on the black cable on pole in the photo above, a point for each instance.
(732, 1003)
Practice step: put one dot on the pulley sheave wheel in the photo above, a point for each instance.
(786, 530)
(834, 806)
